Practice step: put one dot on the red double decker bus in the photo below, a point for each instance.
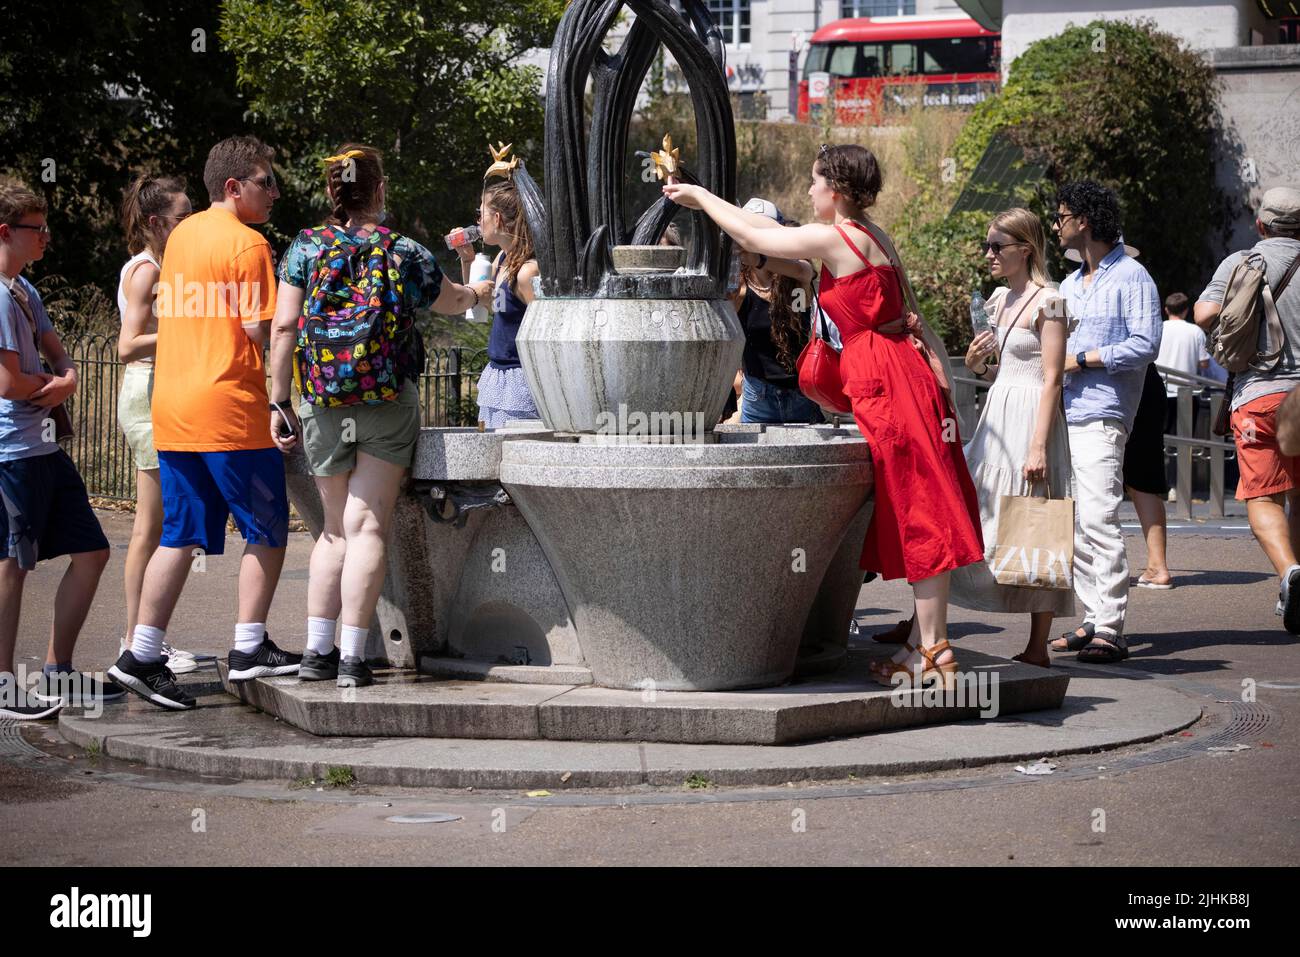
(865, 65)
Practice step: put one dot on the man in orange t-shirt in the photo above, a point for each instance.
(212, 421)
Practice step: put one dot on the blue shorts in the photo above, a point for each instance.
(201, 489)
(45, 510)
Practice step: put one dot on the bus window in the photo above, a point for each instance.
(958, 55)
(902, 59)
(855, 59)
(815, 62)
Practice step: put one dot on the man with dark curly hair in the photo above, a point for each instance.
(1116, 313)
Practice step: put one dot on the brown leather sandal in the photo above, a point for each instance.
(931, 671)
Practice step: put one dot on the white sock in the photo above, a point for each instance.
(147, 642)
(320, 635)
(353, 642)
(248, 636)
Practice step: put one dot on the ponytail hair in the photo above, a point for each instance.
(502, 196)
(353, 177)
(147, 196)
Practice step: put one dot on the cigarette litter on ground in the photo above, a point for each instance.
(1230, 748)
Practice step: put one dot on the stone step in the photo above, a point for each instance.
(225, 739)
(409, 705)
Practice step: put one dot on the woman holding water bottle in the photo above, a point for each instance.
(1021, 440)
(503, 392)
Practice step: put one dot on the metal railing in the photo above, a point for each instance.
(1190, 446)
(448, 396)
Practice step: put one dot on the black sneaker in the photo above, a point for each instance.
(75, 689)
(317, 667)
(152, 681)
(266, 661)
(354, 673)
(18, 704)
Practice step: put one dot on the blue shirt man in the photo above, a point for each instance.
(1116, 336)
(1118, 318)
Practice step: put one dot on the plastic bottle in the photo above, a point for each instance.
(979, 322)
(462, 235)
(479, 270)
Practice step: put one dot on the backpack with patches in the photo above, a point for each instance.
(357, 340)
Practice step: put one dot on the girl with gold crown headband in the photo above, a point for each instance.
(360, 452)
(502, 388)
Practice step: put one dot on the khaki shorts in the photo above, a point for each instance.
(387, 430)
(135, 415)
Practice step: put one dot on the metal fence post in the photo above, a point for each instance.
(1184, 425)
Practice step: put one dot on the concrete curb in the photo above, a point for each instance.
(230, 740)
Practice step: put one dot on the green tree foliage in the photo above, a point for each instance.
(428, 82)
(1130, 107)
(95, 93)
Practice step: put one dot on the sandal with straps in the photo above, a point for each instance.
(1073, 640)
(877, 668)
(945, 673)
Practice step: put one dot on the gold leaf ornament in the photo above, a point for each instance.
(667, 159)
(500, 166)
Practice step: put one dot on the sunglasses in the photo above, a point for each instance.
(267, 182)
(43, 229)
(1058, 218)
(996, 248)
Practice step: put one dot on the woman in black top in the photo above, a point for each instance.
(773, 304)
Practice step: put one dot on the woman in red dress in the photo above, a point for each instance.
(926, 518)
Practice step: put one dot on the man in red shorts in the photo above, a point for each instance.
(1270, 480)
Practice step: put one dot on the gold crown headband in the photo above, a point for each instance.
(499, 165)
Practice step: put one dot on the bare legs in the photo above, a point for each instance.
(348, 561)
(1151, 513)
(12, 579)
(1277, 532)
(930, 623)
(71, 604)
(146, 532)
(259, 573)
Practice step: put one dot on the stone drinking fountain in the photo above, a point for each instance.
(621, 546)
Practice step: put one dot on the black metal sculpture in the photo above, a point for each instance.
(577, 224)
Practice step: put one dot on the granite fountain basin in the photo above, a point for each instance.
(691, 567)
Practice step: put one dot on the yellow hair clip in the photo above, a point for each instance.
(350, 154)
(499, 165)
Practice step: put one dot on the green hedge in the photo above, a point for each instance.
(1116, 102)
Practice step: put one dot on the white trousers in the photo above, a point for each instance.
(1100, 561)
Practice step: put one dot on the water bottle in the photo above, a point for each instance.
(462, 235)
(479, 270)
(979, 322)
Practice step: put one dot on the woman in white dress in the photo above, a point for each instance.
(1021, 436)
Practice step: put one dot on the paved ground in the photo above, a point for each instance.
(1206, 637)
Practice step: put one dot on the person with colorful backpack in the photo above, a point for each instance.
(344, 338)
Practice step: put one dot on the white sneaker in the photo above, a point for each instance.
(180, 662)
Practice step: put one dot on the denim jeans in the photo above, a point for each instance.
(771, 404)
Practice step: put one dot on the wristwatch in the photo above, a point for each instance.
(1081, 360)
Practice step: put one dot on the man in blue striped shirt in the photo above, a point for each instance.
(1116, 312)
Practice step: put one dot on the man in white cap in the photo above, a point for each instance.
(1270, 480)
